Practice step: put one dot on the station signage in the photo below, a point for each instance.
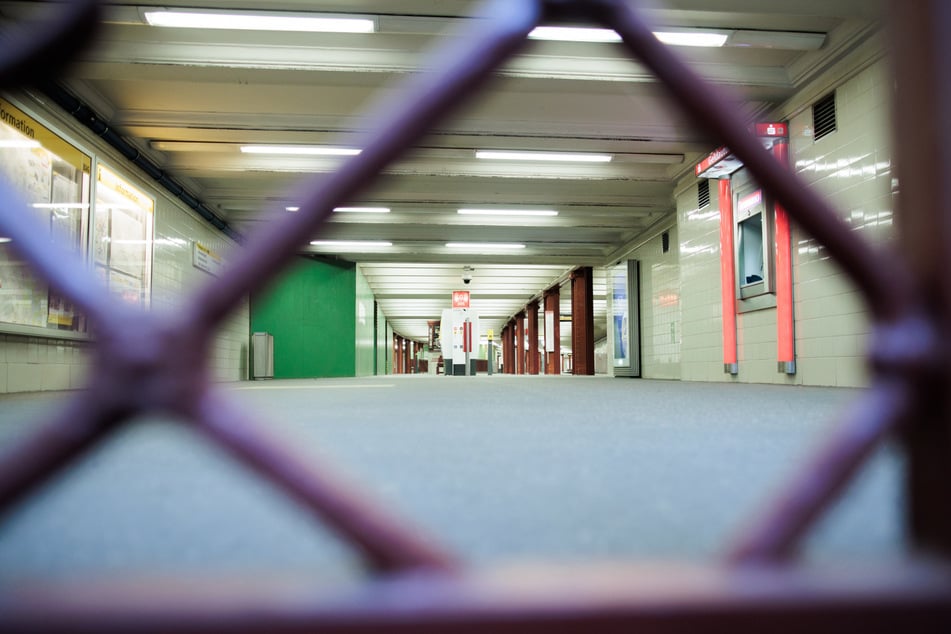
(460, 299)
(721, 162)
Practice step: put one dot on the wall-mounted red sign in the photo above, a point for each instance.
(721, 162)
(460, 299)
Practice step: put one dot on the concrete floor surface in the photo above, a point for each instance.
(499, 469)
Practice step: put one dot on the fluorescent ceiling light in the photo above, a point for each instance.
(574, 34)
(19, 143)
(2, 239)
(362, 210)
(310, 150)
(59, 205)
(508, 212)
(292, 208)
(352, 244)
(709, 39)
(570, 157)
(487, 246)
(583, 34)
(260, 21)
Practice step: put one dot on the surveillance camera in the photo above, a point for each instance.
(467, 274)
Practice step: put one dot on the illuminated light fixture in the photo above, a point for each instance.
(362, 210)
(508, 212)
(712, 39)
(19, 143)
(2, 240)
(59, 205)
(487, 246)
(292, 208)
(309, 150)
(574, 34)
(709, 39)
(566, 157)
(261, 21)
(352, 244)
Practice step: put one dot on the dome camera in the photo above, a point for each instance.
(467, 274)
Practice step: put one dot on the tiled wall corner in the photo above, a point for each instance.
(660, 308)
(699, 230)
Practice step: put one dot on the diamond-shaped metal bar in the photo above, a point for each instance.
(36, 53)
(387, 545)
(61, 268)
(460, 66)
(908, 355)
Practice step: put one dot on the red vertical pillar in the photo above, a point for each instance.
(531, 314)
(552, 298)
(728, 277)
(407, 356)
(520, 343)
(397, 360)
(785, 333)
(508, 366)
(582, 321)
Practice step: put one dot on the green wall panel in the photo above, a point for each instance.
(311, 311)
(364, 327)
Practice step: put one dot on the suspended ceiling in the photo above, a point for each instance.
(190, 98)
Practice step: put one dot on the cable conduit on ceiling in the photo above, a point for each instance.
(85, 115)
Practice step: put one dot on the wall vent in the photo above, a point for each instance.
(823, 116)
(703, 193)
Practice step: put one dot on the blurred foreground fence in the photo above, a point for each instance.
(418, 586)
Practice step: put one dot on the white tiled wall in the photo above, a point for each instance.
(852, 167)
(38, 363)
(173, 275)
(661, 320)
(700, 285)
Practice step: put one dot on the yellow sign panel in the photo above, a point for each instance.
(122, 187)
(35, 131)
(491, 334)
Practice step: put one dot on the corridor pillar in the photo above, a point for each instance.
(507, 363)
(552, 331)
(531, 314)
(582, 321)
(520, 343)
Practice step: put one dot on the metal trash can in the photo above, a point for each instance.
(262, 355)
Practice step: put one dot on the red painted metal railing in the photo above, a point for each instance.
(755, 589)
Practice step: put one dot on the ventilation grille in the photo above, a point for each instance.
(703, 193)
(823, 116)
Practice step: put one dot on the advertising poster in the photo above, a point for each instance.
(620, 314)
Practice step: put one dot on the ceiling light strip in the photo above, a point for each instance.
(487, 246)
(573, 34)
(259, 21)
(680, 37)
(309, 150)
(568, 157)
(362, 210)
(352, 244)
(507, 212)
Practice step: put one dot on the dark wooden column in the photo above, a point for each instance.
(508, 365)
(553, 357)
(520, 343)
(582, 321)
(531, 314)
(397, 357)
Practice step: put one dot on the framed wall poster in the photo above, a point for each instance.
(52, 176)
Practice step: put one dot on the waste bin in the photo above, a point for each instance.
(262, 355)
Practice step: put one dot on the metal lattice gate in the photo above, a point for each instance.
(758, 588)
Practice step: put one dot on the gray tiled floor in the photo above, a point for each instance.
(498, 468)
